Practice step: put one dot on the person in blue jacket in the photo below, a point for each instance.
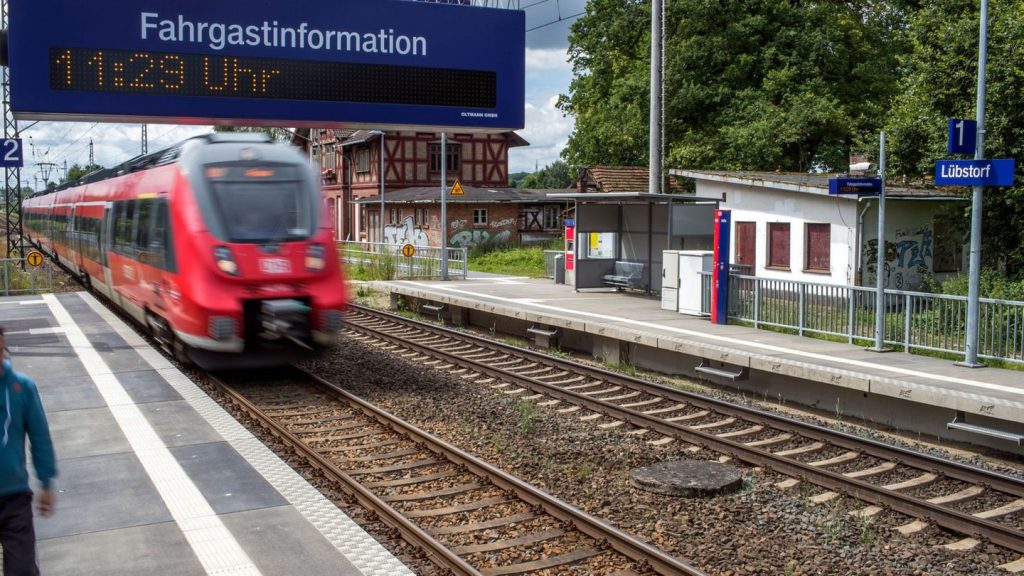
(21, 413)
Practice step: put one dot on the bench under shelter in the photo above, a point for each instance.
(620, 236)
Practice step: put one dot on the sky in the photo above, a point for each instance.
(547, 130)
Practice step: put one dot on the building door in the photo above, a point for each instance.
(746, 245)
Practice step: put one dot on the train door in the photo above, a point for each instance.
(106, 228)
(74, 239)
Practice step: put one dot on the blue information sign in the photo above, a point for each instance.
(963, 136)
(343, 63)
(854, 185)
(11, 153)
(974, 172)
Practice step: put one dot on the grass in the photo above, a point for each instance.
(518, 261)
(527, 414)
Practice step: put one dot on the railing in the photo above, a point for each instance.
(913, 320)
(377, 261)
(549, 262)
(32, 280)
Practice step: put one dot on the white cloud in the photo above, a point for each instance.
(61, 143)
(547, 130)
(546, 59)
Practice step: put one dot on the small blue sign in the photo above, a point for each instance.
(854, 185)
(11, 153)
(963, 136)
(974, 172)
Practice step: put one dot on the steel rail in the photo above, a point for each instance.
(954, 520)
(409, 531)
(620, 541)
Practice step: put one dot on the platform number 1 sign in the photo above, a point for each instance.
(963, 136)
(11, 155)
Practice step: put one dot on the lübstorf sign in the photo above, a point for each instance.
(974, 172)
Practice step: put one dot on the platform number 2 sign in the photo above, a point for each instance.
(11, 153)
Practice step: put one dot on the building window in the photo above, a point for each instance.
(421, 217)
(817, 247)
(454, 153)
(778, 245)
(363, 159)
(479, 215)
(552, 218)
(394, 215)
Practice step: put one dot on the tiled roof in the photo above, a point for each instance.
(471, 194)
(621, 179)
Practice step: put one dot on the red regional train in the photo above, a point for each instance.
(221, 245)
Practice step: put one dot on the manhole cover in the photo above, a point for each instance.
(688, 478)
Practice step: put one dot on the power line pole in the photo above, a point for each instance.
(12, 176)
(145, 140)
(974, 273)
(92, 160)
(655, 168)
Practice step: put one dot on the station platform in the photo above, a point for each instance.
(154, 477)
(904, 391)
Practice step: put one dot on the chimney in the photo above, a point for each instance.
(859, 163)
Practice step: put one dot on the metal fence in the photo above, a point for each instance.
(377, 261)
(549, 262)
(31, 280)
(913, 320)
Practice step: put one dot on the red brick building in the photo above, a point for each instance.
(351, 168)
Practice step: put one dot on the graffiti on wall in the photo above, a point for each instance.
(908, 259)
(405, 233)
(503, 223)
(471, 238)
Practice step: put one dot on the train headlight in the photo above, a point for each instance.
(225, 260)
(315, 258)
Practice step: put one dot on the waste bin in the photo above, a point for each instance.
(560, 269)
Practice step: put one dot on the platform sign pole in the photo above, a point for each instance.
(444, 207)
(880, 255)
(720, 273)
(974, 274)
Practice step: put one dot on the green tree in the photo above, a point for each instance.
(749, 84)
(941, 83)
(76, 171)
(275, 133)
(554, 175)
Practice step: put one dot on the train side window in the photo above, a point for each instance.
(123, 225)
(160, 241)
(142, 230)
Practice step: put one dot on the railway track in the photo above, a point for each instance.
(469, 516)
(977, 504)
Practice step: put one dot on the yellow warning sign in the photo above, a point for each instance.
(457, 189)
(408, 250)
(34, 259)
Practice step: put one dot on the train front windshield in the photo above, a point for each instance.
(261, 204)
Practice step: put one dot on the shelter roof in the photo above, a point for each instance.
(809, 183)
